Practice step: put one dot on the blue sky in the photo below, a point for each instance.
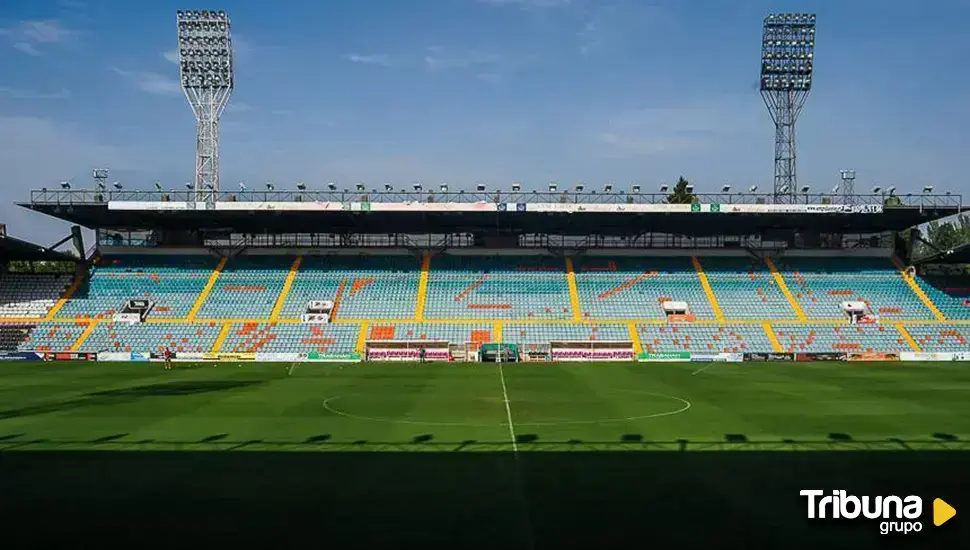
(469, 91)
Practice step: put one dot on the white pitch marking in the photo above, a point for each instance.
(702, 369)
(508, 409)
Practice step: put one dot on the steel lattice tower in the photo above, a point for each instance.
(787, 61)
(206, 72)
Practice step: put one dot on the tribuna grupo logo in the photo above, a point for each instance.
(898, 514)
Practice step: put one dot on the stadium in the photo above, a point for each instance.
(527, 356)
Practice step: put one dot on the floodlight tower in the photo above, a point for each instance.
(848, 186)
(206, 72)
(787, 60)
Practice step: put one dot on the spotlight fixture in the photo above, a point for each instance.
(928, 189)
(690, 189)
(726, 188)
(664, 188)
(753, 188)
(388, 187)
(516, 187)
(242, 186)
(806, 188)
(117, 185)
(65, 185)
(608, 188)
(876, 189)
(480, 187)
(417, 187)
(443, 187)
(300, 186)
(891, 190)
(158, 186)
(580, 187)
(270, 186)
(635, 189)
(188, 185)
(361, 187)
(332, 186)
(553, 187)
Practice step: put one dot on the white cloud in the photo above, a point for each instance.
(28, 36)
(151, 82)
(238, 107)
(19, 93)
(370, 59)
(172, 56)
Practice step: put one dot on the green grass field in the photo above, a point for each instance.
(527, 455)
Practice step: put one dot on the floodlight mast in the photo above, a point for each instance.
(787, 65)
(207, 75)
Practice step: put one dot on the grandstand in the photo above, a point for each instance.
(242, 292)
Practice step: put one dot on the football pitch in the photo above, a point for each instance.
(514, 455)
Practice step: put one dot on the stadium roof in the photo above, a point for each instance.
(957, 255)
(12, 248)
(550, 213)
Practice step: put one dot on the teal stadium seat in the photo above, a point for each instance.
(373, 287)
(291, 338)
(704, 338)
(150, 337)
(840, 338)
(247, 288)
(941, 337)
(172, 282)
(51, 336)
(820, 285)
(951, 295)
(746, 289)
(635, 287)
(497, 287)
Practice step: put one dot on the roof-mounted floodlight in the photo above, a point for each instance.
(635, 189)
(753, 188)
(516, 187)
(270, 186)
(806, 188)
(443, 187)
(689, 189)
(580, 187)
(65, 185)
(480, 187)
(891, 190)
(553, 187)
(117, 185)
(726, 188)
(361, 187)
(608, 188)
(188, 185)
(242, 186)
(835, 189)
(300, 186)
(388, 187)
(928, 189)
(664, 188)
(158, 186)
(876, 189)
(417, 187)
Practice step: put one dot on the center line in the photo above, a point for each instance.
(508, 409)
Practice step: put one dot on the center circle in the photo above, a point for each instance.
(662, 405)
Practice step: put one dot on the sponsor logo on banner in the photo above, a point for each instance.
(20, 356)
(147, 205)
(317, 356)
(114, 356)
(667, 356)
(923, 356)
(228, 356)
(139, 356)
(806, 357)
(870, 356)
(717, 357)
(406, 354)
(961, 356)
(280, 357)
(580, 354)
(70, 356)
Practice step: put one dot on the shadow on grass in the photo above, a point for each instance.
(437, 497)
(123, 395)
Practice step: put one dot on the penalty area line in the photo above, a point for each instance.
(289, 371)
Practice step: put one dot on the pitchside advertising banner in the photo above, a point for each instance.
(670, 357)
(21, 356)
(579, 354)
(482, 206)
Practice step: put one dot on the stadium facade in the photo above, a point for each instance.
(350, 275)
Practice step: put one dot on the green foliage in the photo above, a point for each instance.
(23, 266)
(680, 195)
(949, 234)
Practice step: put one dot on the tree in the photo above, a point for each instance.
(680, 194)
(949, 234)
